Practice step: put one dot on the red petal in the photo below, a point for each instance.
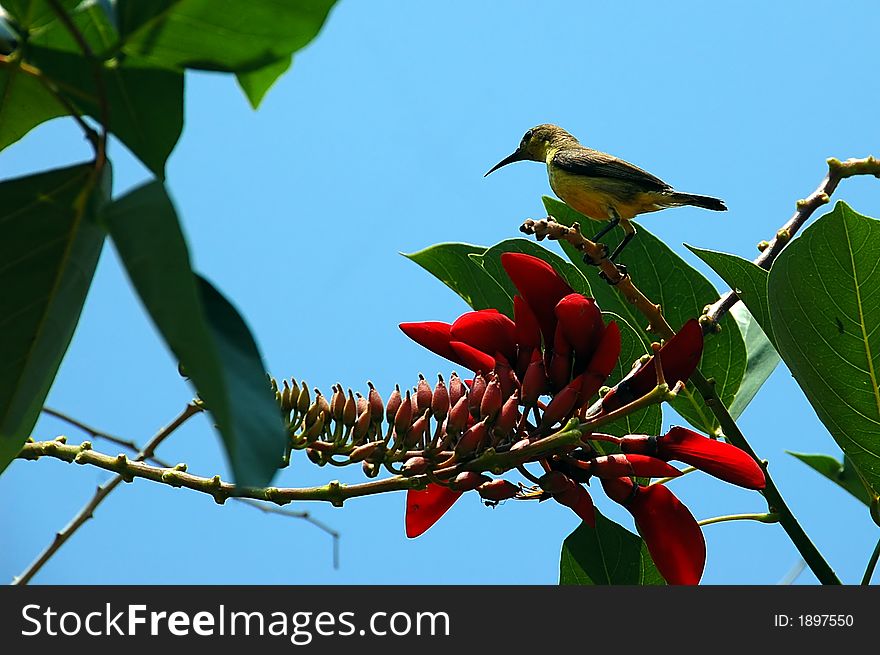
(469, 356)
(603, 362)
(488, 331)
(579, 500)
(528, 332)
(425, 507)
(560, 361)
(581, 323)
(723, 460)
(433, 335)
(671, 533)
(615, 466)
(679, 357)
(539, 285)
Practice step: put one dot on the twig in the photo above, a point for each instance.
(333, 492)
(872, 563)
(87, 512)
(95, 433)
(100, 86)
(837, 170)
(134, 447)
(304, 515)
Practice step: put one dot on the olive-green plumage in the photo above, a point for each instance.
(599, 185)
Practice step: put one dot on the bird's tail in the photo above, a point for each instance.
(706, 202)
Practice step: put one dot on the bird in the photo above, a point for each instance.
(598, 185)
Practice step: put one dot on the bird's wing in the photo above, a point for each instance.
(592, 163)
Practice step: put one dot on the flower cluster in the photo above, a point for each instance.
(557, 345)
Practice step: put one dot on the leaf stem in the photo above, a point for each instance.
(87, 512)
(767, 517)
(872, 563)
(100, 86)
(684, 471)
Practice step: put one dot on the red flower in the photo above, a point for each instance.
(723, 460)
(425, 507)
(540, 285)
(670, 531)
(678, 357)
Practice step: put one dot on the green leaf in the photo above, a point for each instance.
(33, 14)
(145, 103)
(825, 311)
(256, 84)
(841, 473)
(204, 332)
(49, 248)
(746, 278)
(92, 22)
(683, 292)
(645, 421)
(24, 104)
(450, 263)
(221, 35)
(608, 554)
(761, 361)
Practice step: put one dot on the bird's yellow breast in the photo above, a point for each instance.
(596, 196)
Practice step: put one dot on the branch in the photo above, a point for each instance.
(100, 86)
(131, 445)
(87, 512)
(837, 170)
(127, 469)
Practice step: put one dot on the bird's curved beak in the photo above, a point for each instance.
(517, 156)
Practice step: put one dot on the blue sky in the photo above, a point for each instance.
(375, 143)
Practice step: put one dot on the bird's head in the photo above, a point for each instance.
(536, 143)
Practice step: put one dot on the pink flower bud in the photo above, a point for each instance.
(472, 440)
(415, 466)
(535, 380)
(490, 404)
(497, 490)
(424, 395)
(458, 417)
(349, 410)
(404, 415)
(394, 404)
(377, 407)
(468, 480)
(476, 395)
(560, 408)
(440, 400)
(361, 453)
(508, 418)
(456, 389)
